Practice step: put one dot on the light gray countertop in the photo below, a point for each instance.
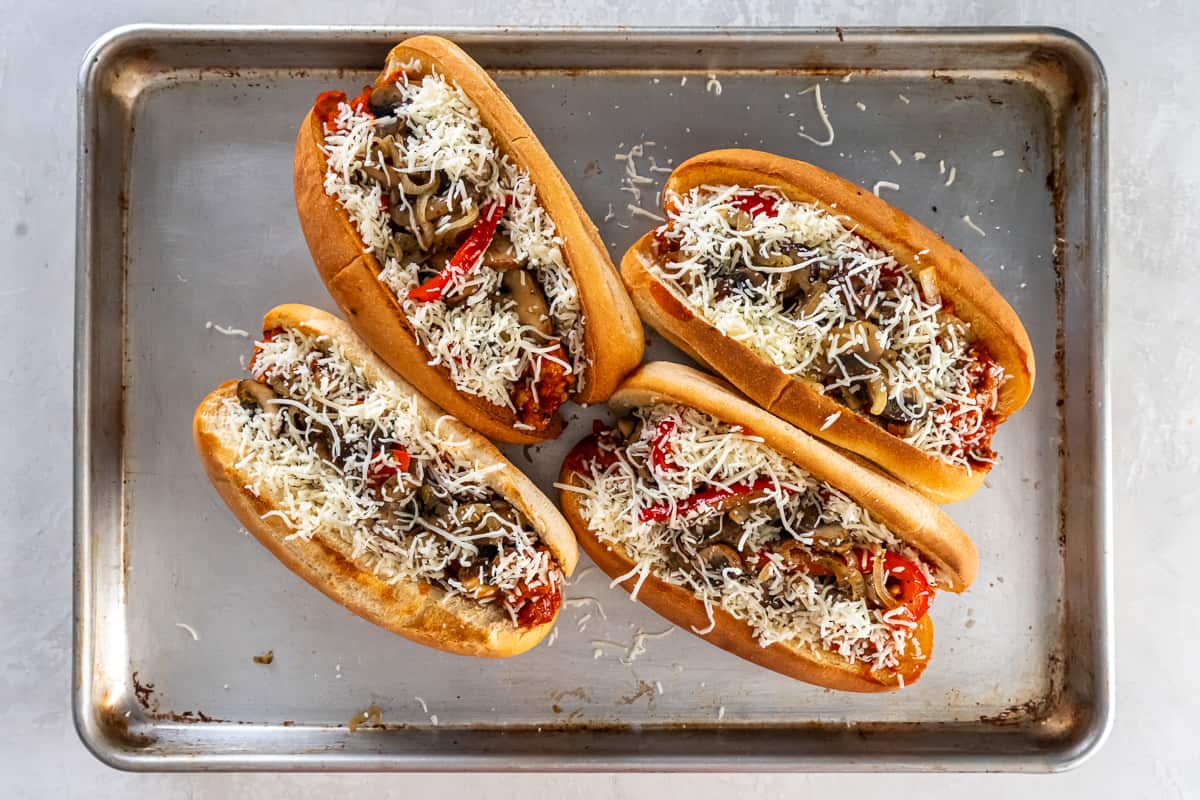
(1151, 58)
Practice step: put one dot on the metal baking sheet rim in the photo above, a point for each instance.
(109, 737)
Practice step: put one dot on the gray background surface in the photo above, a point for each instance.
(1151, 61)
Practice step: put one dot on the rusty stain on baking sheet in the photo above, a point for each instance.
(187, 716)
(144, 693)
(115, 723)
(371, 717)
(643, 690)
(578, 692)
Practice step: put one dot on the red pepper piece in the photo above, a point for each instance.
(913, 591)
(755, 204)
(465, 259)
(328, 104)
(363, 101)
(381, 469)
(326, 107)
(715, 499)
(660, 449)
(591, 452)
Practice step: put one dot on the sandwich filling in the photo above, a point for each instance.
(466, 248)
(342, 456)
(793, 283)
(710, 507)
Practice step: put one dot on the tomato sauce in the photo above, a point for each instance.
(537, 404)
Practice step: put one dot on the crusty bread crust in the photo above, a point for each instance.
(613, 338)
(911, 517)
(415, 610)
(799, 400)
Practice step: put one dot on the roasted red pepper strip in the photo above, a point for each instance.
(755, 204)
(363, 101)
(595, 452)
(707, 499)
(328, 103)
(380, 471)
(660, 448)
(465, 258)
(912, 590)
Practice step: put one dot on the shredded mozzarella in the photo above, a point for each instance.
(321, 391)
(780, 605)
(926, 371)
(480, 342)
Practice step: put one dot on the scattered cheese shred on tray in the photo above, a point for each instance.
(815, 90)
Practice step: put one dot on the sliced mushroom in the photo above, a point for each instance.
(743, 510)
(719, 557)
(251, 392)
(400, 215)
(531, 303)
(860, 338)
(927, 280)
(743, 281)
(405, 242)
(401, 484)
(389, 125)
(387, 146)
(501, 255)
(461, 294)
(738, 220)
(475, 586)
(815, 295)
(777, 260)
(421, 227)
(829, 533)
(255, 393)
(848, 575)
(438, 207)
(471, 513)
(320, 443)
(446, 233)
(794, 284)
(385, 100)
(809, 514)
(412, 184)
(894, 412)
(879, 397)
(385, 175)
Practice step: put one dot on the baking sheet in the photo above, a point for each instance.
(188, 234)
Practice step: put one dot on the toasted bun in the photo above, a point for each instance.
(911, 517)
(799, 400)
(416, 610)
(612, 348)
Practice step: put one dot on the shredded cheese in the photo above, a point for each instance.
(324, 396)
(780, 605)
(480, 341)
(926, 367)
(815, 89)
